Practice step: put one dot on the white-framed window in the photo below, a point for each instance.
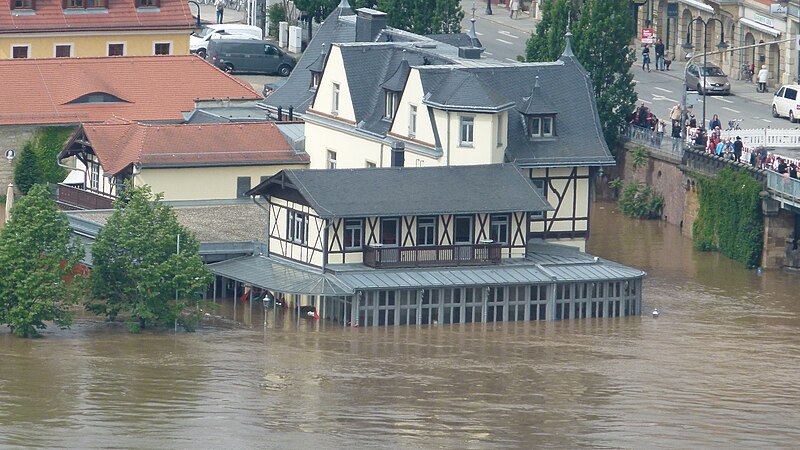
(116, 49)
(539, 184)
(353, 232)
(297, 227)
(412, 120)
(21, 51)
(94, 176)
(370, 164)
(540, 126)
(162, 48)
(335, 99)
(390, 231)
(331, 159)
(500, 129)
(426, 231)
(467, 129)
(315, 77)
(498, 228)
(390, 104)
(62, 50)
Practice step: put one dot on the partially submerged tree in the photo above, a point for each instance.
(38, 262)
(146, 264)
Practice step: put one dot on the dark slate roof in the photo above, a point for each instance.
(319, 64)
(218, 114)
(568, 89)
(538, 102)
(339, 26)
(455, 39)
(368, 65)
(497, 188)
(465, 91)
(397, 82)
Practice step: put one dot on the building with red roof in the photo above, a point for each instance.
(69, 28)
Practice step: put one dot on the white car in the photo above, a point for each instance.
(198, 42)
(785, 102)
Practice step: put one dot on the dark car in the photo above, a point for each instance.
(249, 56)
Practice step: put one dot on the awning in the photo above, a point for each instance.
(759, 26)
(699, 5)
(268, 273)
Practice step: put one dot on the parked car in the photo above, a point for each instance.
(709, 79)
(785, 102)
(249, 56)
(198, 42)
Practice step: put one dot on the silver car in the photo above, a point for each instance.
(709, 79)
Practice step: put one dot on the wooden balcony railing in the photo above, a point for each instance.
(70, 197)
(432, 256)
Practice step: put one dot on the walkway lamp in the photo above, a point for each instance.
(688, 45)
(198, 12)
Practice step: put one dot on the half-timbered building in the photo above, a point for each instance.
(384, 104)
(422, 245)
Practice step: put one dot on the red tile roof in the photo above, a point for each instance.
(153, 88)
(118, 145)
(50, 15)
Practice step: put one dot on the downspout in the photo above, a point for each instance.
(448, 138)
(266, 230)
(381, 157)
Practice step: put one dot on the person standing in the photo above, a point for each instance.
(514, 6)
(676, 135)
(220, 6)
(714, 123)
(738, 146)
(659, 48)
(646, 58)
(763, 74)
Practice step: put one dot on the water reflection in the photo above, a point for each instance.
(717, 369)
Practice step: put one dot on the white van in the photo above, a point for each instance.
(786, 102)
(198, 42)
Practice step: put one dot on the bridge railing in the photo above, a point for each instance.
(768, 137)
(784, 185)
(645, 136)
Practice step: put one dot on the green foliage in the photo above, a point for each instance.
(137, 269)
(37, 257)
(616, 184)
(276, 13)
(38, 160)
(423, 16)
(729, 218)
(640, 201)
(638, 157)
(49, 143)
(602, 35)
(26, 169)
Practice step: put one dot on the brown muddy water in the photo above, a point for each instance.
(718, 369)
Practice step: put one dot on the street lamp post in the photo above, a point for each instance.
(688, 45)
(198, 12)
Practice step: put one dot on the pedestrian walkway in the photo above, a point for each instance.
(500, 15)
(208, 14)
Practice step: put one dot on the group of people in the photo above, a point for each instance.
(642, 117)
(662, 59)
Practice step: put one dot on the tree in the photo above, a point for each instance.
(48, 144)
(26, 170)
(37, 258)
(138, 269)
(423, 16)
(602, 35)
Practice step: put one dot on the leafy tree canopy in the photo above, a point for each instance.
(138, 270)
(37, 258)
(603, 31)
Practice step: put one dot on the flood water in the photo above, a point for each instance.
(718, 369)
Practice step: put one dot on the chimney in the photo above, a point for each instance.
(398, 154)
(470, 52)
(369, 23)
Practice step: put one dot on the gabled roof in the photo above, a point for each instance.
(339, 26)
(50, 15)
(497, 188)
(152, 88)
(120, 144)
(462, 90)
(565, 90)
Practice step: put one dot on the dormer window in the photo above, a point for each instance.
(23, 4)
(541, 126)
(390, 104)
(315, 79)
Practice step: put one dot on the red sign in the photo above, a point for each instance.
(648, 36)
